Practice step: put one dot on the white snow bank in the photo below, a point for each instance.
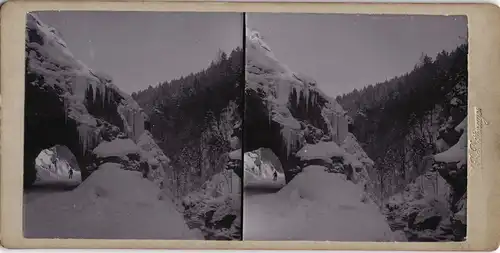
(111, 204)
(351, 146)
(151, 149)
(327, 150)
(316, 185)
(235, 154)
(315, 205)
(116, 147)
(456, 154)
(321, 150)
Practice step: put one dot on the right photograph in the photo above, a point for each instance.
(355, 127)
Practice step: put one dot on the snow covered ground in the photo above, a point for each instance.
(106, 206)
(116, 147)
(315, 205)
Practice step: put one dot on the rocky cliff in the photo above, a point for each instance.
(285, 110)
(69, 104)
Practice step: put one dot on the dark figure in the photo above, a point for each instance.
(70, 173)
(144, 169)
(275, 176)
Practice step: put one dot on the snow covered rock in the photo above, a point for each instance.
(117, 147)
(455, 154)
(359, 159)
(152, 153)
(215, 209)
(74, 105)
(423, 205)
(235, 154)
(105, 207)
(429, 207)
(337, 159)
(285, 109)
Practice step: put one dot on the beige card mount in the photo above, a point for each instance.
(234, 125)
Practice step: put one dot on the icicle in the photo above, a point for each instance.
(270, 111)
(103, 96)
(306, 98)
(297, 96)
(81, 140)
(94, 91)
(65, 111)
(133, 126)
(315, 99)
(109, 97)
(86, 137)
(290, 139)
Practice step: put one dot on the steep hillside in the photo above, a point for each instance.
(197, 121)
(104, 134)
(414, 129)
(285, 110)
(191, 126)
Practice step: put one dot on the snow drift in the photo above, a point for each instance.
(315, 205)
(105, 206)
(215, 208)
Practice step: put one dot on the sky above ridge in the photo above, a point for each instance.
(343, 52)
(138, 49)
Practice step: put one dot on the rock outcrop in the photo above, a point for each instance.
(78, 108)
(434, 206)
(285, 110)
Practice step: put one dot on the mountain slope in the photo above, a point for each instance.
(192, 128)
(67, 104)
(196, 120)
(414, 128)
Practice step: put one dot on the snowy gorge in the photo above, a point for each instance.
(68, 99)
(273, 157)
(326, 169)
(311, 134)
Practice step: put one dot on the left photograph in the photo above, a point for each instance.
(132, 125)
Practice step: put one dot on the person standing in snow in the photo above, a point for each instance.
(275, 176)
(70, 173)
